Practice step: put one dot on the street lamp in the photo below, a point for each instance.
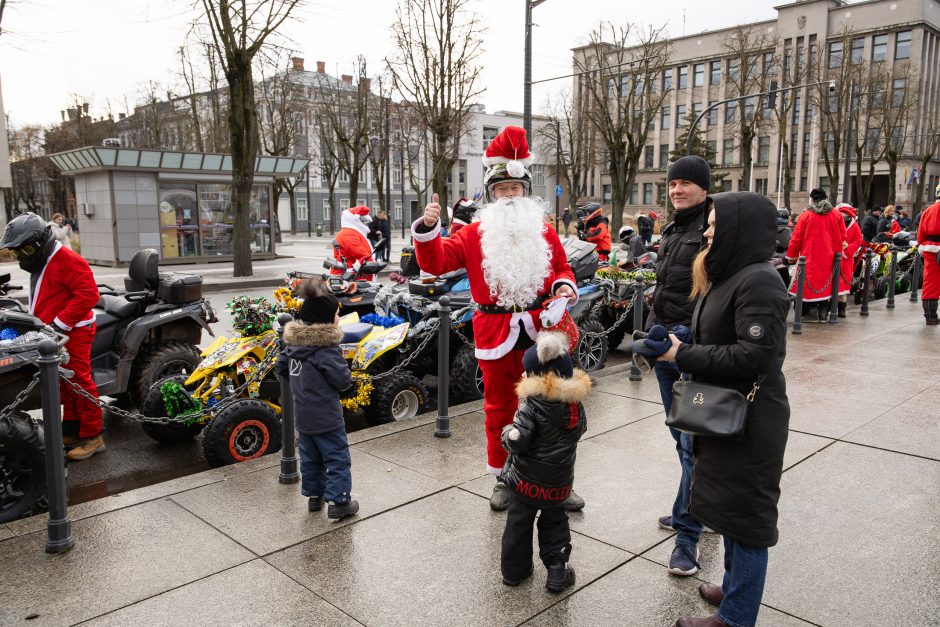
(527, 87)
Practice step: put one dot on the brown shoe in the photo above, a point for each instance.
(87, 448)
(711, 593)
(710, 621)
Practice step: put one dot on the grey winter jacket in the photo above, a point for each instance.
(318, 373)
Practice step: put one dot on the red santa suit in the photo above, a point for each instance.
(819, 234)
(495, 334)
(64, 295)
(853, 239)
(353, 245)
(928, 243)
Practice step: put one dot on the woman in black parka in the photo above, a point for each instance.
(740, 336)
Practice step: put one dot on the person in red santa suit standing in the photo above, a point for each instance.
(352, 240)
(514, 263)
(62, 292)
(928, 243)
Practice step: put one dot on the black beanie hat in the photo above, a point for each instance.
(548, 356)
(320, 305)
(691, 168)
(818, 194)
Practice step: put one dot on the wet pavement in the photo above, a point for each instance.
(858, 518)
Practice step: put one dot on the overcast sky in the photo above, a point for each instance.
(105, 50)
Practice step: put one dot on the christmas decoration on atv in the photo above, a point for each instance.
(251, 316)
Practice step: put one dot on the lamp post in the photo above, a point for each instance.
(527, 84)
(848, 142)
(557, 171)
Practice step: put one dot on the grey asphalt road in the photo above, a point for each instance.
(133, 460)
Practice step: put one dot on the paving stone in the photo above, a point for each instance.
(363, 435)
(6, 532)
(640, 593)
(858, 539)
(119, 558)
(607, 411)
(800, 446)
(250, 594)
(820, 410)
(621, 385)
(432, 562)
(864, 386)
(906, 430)
(928, 400)
(452, 460)
(265, 515)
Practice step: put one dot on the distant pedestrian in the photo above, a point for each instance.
(886, 224)
(566, 219)
(819, 234)
(869, 225)
(542, 441)
(644, 226)
(384, 228)
(904, 222)
(318, 373)
(61, 230)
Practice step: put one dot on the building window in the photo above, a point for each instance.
(605, 189)
(760, 186)
(727, 157)
(715, 73)
(879, 48)
(489, 134)
(634, 192)
(835, 54)
(824, 184)
(902, 45)
(898, 86)
(711, 150)
(858, 50)
(624, 86)
(343, 176)
(725, 185)
(749, 108)
(326, 210)
(665, 122)
(802, 183)
(683, 77)
(648, 157)
(698, 75)
(647, 193)
(697, 109)
(712, 114)
(680, 116)
(763, 149)
(734, 69)
(343, 205)
(731, 110)
(872, 137)
(796, 108)
(663, 156)
(301, 209)
(667, 79)
(805, 149)
(397, 211)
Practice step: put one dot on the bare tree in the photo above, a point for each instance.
(380, 142)
(619, 85)
(189, 79)
(898, 104)
(239, 30)
(30, 170)
(438, 44)
(328, 161)
(572, 143)
(413, 143)
(791, 68)
(927, 142)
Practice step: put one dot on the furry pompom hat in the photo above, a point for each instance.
(549, 355)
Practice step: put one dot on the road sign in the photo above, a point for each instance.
(559, 191)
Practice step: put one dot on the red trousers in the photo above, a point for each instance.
(931, 277)
(500, 403)
(75, 407)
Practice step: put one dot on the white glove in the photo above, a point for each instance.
(551, 315)
(357, 265)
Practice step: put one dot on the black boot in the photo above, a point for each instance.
(337, 511)
(842, 310)
(560, 576)
(810, 313)
(314, 503)
(573, 503)
(930, 312)
(499, 501)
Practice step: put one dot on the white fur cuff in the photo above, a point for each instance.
(425, 237)
(569, 283)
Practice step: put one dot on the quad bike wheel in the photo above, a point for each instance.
(158, 361)
(608, 316)
(153, 406)
(881, 288)
(245, 429)
(22, 468)
(397, 397)
(592, 350)
(466, 377)
(904, 283)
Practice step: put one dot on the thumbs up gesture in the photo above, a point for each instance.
(432, 212)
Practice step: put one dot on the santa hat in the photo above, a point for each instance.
(846, 208)
(510, 145)
(361, 210)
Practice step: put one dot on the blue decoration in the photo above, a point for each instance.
(9, 333)
(381, 321)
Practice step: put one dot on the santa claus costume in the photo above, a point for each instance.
(514, 263)
(353, 245)
(850, 255)
(818, 235)
(928, 243)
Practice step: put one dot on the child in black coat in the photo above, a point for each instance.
(542, 441)
(318, 373)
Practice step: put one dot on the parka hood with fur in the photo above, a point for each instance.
(318, 335)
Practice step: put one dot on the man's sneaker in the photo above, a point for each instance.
(682, 562)
(573, 503)
(515, 582)
(560, 576)
(665, 522)
(314, 503)
(86, 448)
(337, 511)
(499, 501)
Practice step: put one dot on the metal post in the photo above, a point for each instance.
(289, 473)
(866, 283)
(834, 299)
(635, 373)
(892, 279)
(915, 275)
(557, 171)
(442, 426)
(309, 202)
(798, 303)
(59, 528)
(848, 142)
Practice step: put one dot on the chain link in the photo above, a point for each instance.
(432, 328)
(627, 311)
(9, 409)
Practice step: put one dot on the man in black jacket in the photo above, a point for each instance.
(869, 224)
(689, 179)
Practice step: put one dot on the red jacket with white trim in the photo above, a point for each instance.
(65, 291)
(928, 231)
(494, 334)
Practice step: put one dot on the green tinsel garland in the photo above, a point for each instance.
(178, 402)
(251, 316)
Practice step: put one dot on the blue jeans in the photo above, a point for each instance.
(325, 467)
(688, 528)
(743, 584)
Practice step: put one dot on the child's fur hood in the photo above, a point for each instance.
(300, 334)
(553, 388)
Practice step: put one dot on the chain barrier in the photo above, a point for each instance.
(626, 312)
(9, 409)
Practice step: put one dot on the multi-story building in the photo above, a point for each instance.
(892, 34)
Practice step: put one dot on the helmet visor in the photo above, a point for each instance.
(27, 250)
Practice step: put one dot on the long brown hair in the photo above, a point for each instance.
(699, 275)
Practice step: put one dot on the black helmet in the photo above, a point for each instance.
(27, 236)
(590, 208)
(783, 214)
(464, 210)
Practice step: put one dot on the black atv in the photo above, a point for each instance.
(354, 293)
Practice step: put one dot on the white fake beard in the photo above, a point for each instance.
(516, 257)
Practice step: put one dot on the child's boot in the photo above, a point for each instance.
(336, 511)
(314, 503)
(560, 576)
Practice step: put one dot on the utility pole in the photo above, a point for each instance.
(848, 142)
(527, 79)
(557, 171)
